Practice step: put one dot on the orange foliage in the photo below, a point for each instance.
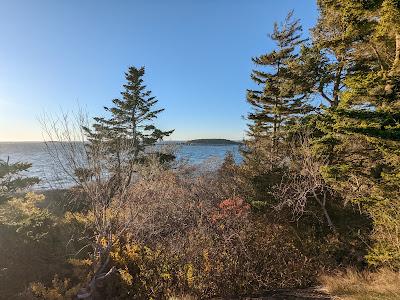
(234, 206)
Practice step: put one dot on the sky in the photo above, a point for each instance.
(57, 56)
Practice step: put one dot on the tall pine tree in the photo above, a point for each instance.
(282, 99)
(277, 106)
(124, 137)
(365, 123)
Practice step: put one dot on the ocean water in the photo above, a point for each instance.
(47, 169)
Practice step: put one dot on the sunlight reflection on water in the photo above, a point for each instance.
(43, 165)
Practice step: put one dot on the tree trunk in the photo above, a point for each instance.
(336, 86)
(326, 214)
(395, 70)
(91, 292)
(396, 62)
(328, 219)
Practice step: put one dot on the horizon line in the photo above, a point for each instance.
(186, 140)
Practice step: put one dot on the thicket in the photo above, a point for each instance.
(342, 155)
(318, 190)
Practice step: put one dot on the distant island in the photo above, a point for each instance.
(212, 142)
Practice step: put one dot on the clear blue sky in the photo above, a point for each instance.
(56, 54)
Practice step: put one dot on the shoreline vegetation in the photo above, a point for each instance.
(312, 211)
(212, 142)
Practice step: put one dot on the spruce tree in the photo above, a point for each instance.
(282, 98)
(11, 180)
(277, 107)
(125, 136)
(341, 26)
(365, 124)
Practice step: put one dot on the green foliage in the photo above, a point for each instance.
(27, 217)
(364, 160)
(130, 129)
(353, 65)
(316, 203)
(386, 249)
(282, 97)
(11, 179)
(35, 242)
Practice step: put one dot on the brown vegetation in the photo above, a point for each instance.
(353, 285)
(318, 190)
(184, 236)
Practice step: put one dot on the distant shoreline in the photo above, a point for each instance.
(212, 142)
(215, 142)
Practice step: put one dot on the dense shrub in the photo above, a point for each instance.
(386, 233)
(34, 244)
(188, 235)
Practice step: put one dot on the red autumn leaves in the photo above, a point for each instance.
(231, 207)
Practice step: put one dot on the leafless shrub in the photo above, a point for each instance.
(197, 221)
(303, 181)
(192, 223)
(94, 181)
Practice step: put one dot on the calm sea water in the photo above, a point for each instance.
(43, 165)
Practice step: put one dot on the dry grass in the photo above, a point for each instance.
(182, 298)
(383, 284)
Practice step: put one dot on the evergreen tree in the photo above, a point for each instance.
(130, 129)
(341, 26)
(365, 123)
(367, 109)
(277, 107)
(11, 180)
(282, 98)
